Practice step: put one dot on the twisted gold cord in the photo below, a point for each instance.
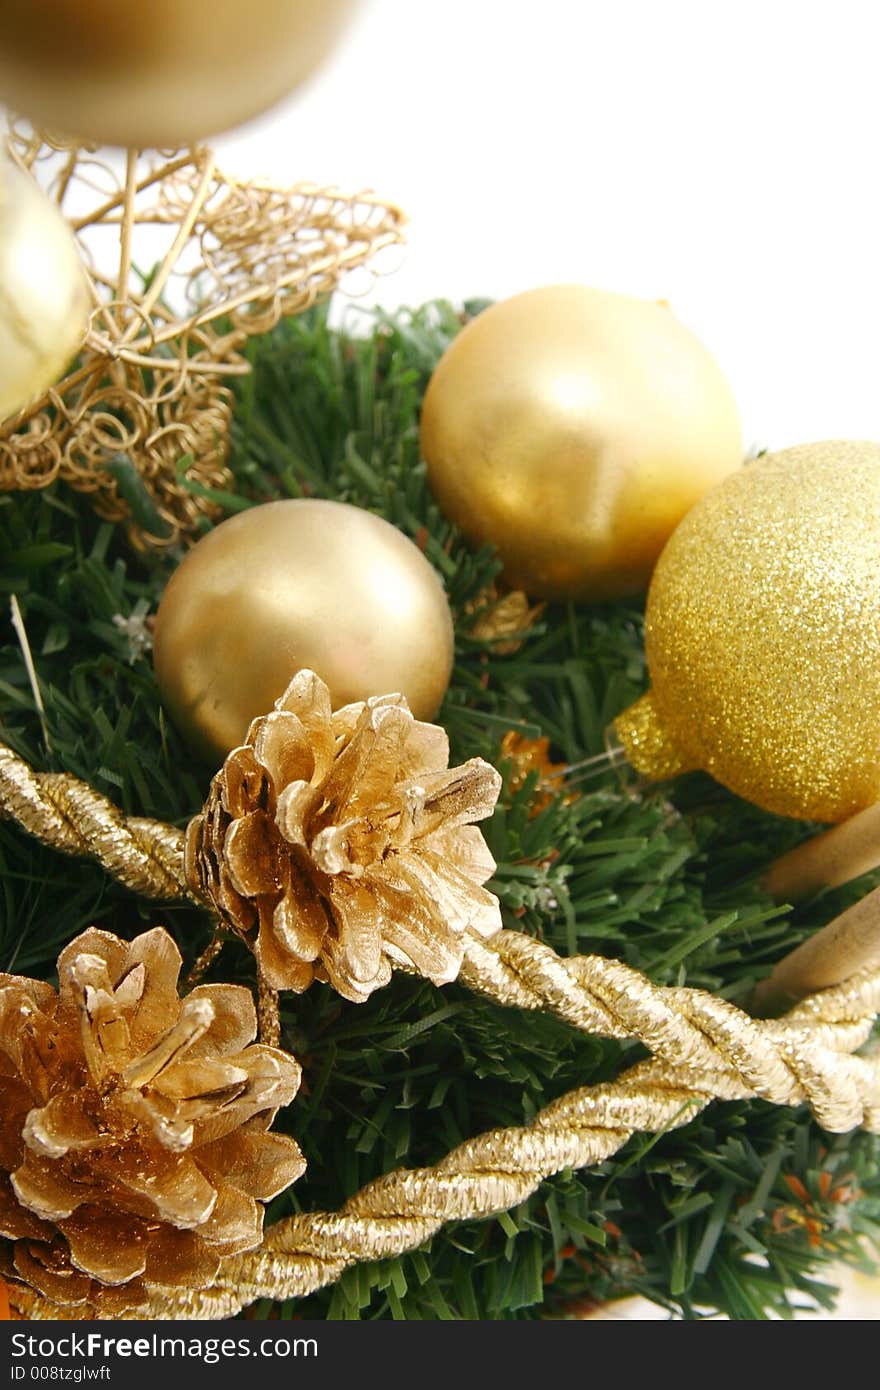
(704, 1049)
(483, 1176)
(67, 815)
(400, 1211)
(493, 1172)
(681, 1026)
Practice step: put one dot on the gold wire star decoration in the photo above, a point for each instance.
(143, 413)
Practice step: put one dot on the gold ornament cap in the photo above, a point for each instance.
(649, 744)
(761, 637)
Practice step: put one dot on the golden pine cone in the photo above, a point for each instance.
(340, 843)
(134, 1148)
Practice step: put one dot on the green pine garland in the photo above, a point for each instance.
(742, 1210)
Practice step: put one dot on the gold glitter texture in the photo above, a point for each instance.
(762, 636)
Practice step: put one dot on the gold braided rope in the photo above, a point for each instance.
(486, 1175)
(67, 815)
(704, 1049)
(593, 994)
(400, 1211)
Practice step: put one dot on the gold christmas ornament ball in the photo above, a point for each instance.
(290, 585)
(763, 637)
(161, 75)
(44, 303)
(572, 429)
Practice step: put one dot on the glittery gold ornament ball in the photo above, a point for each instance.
(44, 302)
(763, 637)
(289, 585)
(163, 74)
(572, 429)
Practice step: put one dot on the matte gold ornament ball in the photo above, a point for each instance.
(763, 637)
(572, 429)
(289, 585)
(162, 74)
(44, 301)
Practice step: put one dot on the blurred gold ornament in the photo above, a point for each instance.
(293, 584)
(134, 1151)
(144, 414)
(761, 637)
(115, 74)
(340, 843)
(44, 301)
(572, 429)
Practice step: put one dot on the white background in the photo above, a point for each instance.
(721, 154)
